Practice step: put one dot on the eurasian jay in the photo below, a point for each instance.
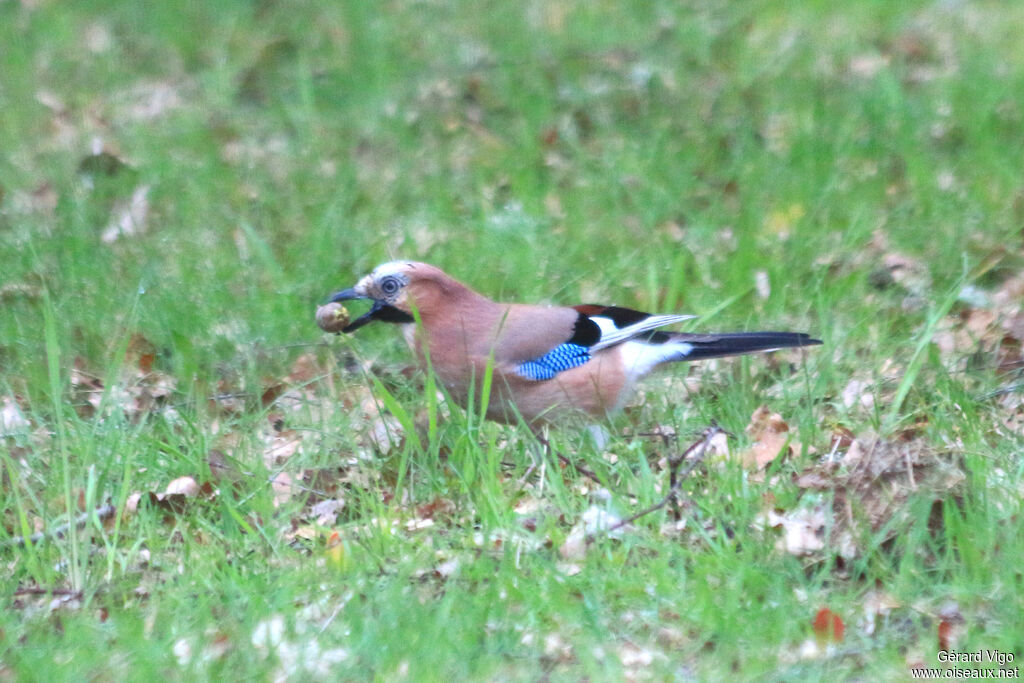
(547, 362)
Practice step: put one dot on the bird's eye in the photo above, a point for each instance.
(390, 285)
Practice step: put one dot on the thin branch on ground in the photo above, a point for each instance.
(102, 513)
(677, 475)
(567, 461)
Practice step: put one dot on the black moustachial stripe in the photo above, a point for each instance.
(390, 314)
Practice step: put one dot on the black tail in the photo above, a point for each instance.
(734, 343)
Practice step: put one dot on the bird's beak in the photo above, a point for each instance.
(347, 295)
(350, 294)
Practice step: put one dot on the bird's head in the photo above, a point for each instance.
(395, 288)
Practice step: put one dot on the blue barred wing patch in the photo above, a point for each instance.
(562, 357)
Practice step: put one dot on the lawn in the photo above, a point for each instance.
(200, 484)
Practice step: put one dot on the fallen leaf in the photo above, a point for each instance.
(636, 660)
(762, 284)
(12, 419)
(769, 434)
(305, 369)
(857, 393)
(952, 626)
(870, 484)
(147, 101)
(281, 446)
(222, 469)
(131, 505)
(175, 497)
(20, 290)
(103, 163)
(326, 511)
(438, 507)
(447, 568)
(283, 488)
(385, 433)
(129, 217)
(185, 486)
(828, 626)
(866, 66)
(803, 531)
(877, 603)
(336, 553)
(594, 520)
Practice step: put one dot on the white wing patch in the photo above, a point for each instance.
(612, 335)
(639, 358)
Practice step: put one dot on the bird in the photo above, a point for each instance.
(546, 363)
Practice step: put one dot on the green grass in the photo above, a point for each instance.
(655, 156)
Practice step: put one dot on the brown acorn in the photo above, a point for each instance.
(332, 317)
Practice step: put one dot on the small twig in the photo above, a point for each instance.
(910, 469)
(667, 438)
(579, 468)
(677, 475)
(103, 512)
(48, 591)
(1002, 391)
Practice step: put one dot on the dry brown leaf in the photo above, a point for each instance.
(636, 660)
(175, 497)
(305, 369)
(326, 511)
(828, 626)
(439, 507)
(574, 547)
(447, 568)
(281, 446)
(1014, 326)
(147, 101)
(952, 626)
(138, 392)
(877, 603)
(87, 389)
(385, 433)
(12, 419)
(20, 290)
(867, 65)
(770, 435)
(128, 217)
(131, 505)
(762, 284)
(595, 520)
(842, 439)
(283, 488)
(222, 470)
(803, 531)
(870, 484)
(1010, 294)
(858, 393)
(186, 486)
